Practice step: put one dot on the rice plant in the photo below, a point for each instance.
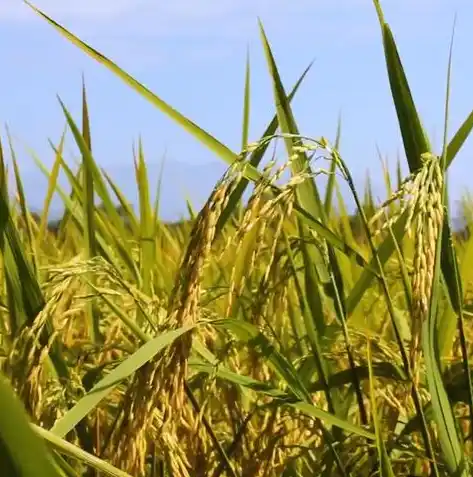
(276, 336)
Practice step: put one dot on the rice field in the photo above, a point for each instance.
(279, 336)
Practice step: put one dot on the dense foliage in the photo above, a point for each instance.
(276, 337)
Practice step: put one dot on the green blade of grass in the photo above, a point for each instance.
(384, 464)
(321, 366)
(245, 123)
(459, 139)
(74, 452)
(311, 410)
(147, 245)
(131, 219)
(250, 334)
(329, 193)
(448, 433)
(413, 134)
(52, 181)
(22, 452)
(125, 369)
(157, 202)
(385, 370)
(94, 171)
(246, 106)
(88, 202)
(147, 237)
(22, 202)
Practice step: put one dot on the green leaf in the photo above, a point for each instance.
(91, 400)
(459, 139)
(413, 134)
(147, 237)
(311, 410)
(385, 467)
(52, 183)
(246, 106)
(22, 452)
(448, 434)
(332, 177)
(66, 448)
(88, 202)
(250, 334)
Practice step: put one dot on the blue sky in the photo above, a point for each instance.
(192, 54)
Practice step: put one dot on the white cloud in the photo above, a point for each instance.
(175, 13)
(84, 9)
(213, 25)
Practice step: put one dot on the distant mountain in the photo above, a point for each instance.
(181, 181)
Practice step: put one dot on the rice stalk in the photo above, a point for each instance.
(421, 196)
(158, 387)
